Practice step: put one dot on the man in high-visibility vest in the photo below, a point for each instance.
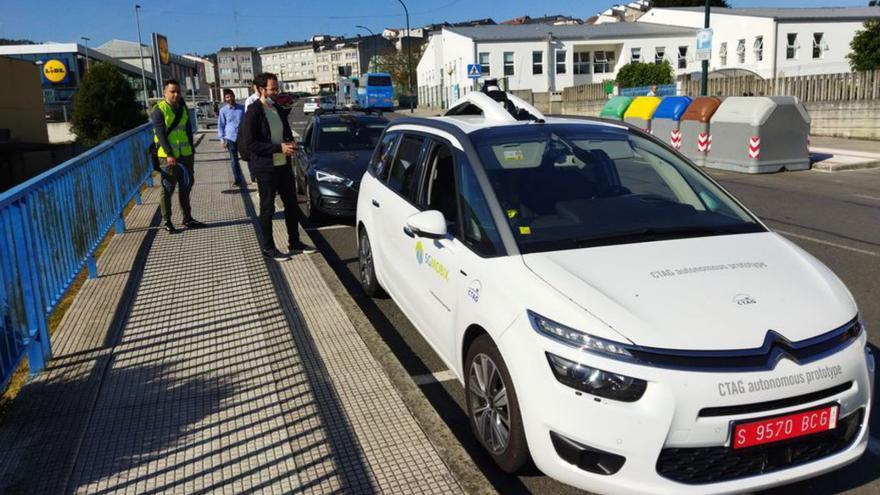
(173, 136)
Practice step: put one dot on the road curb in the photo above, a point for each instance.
(843, 167)
(459, 462)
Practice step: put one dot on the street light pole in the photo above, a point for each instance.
(87, 50)
(137, 18)
(409, 59)
(704, 81)
(369, 52)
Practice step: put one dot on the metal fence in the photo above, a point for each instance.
(662, 90)
(50, 227)
(850, 86)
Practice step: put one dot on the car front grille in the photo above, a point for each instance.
(715, 464)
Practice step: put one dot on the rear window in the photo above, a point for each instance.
(313, 100)
(379, 81)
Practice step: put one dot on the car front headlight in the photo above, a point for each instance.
(575, 338)
(595, 381)
(329, 178)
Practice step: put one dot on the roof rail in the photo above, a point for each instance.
(497, 111)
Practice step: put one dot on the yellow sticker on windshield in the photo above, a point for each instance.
(511, 213)
(525, 230)
(513, 156)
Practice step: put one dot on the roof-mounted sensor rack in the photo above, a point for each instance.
(495, 105)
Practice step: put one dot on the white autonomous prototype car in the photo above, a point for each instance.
(612, 312)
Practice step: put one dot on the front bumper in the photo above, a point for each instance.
(670, 444)
(336, 200)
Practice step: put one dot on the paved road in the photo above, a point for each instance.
(836, 217)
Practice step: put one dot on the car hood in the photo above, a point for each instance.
(707, 293)
(349, 164)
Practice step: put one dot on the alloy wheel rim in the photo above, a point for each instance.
(490, 409)
(366, 260)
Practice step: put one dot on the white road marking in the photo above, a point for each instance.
(874, 445)
(865, 196)
(328, 227)
(440, 376)
(828, 243)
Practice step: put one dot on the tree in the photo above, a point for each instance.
(689, 3)
(638, 74)
(104, 105)
(865, 46)
(395, 63)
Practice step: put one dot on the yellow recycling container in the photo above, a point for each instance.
(640, 112)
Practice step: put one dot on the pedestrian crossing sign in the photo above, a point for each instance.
(474, 71)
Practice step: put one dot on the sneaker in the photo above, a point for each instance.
(275, 254)
(192, 223)
(169, 227)
(302, 248)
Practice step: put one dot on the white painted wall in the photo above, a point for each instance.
(732, 28)
(444, 62)
(838, 36)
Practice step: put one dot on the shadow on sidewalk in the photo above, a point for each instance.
(346, 454)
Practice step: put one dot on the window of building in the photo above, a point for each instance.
(819, 45)
(682, 57)
(483, 59)
(659, 54)
(508, 63)
(581, 62)
(635, 55)
(741, 51)
(722, 54)
(758, 48)
(537, 62)
(603, 62)
(560, 61)
(792, 46)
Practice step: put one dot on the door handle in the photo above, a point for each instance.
(375, 203)
(408, 231)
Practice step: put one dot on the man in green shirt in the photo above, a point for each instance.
(267, 142)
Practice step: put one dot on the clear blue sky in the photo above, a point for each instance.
(204, 26)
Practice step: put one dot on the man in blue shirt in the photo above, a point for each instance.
(230, 119)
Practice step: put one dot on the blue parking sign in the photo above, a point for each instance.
(474, 71)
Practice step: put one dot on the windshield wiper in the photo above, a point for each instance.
(646, 234)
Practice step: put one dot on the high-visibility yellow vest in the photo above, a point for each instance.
(177, 138)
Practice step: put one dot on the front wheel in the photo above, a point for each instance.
(493, 407)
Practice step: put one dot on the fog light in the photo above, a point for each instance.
(595, 381)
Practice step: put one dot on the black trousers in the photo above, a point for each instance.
(279, 182)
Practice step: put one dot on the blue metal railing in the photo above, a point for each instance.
(50, 227)
(662, 90)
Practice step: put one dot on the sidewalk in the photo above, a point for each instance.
(194, 365)
(830, 154)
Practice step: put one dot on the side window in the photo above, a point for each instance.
(307, 137)
(478, 230)
(441, 193)
(382, 156)
(404, 175)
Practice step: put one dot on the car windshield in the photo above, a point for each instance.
(566, 186)
(349, 135)
(313, 100)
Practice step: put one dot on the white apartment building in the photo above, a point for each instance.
(544, 58)
(774, 41)
(293, 63)
(237, 66)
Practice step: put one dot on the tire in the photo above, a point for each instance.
(367, 266)
(488, 421)
(310, 212)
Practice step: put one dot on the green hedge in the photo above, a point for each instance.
(640, 74)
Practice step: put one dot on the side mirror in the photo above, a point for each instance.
(429, 224)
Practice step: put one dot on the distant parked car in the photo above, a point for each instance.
(315, 102)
